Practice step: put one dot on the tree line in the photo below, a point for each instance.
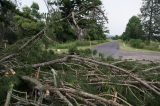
(145, 26)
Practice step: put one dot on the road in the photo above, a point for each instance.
(112, 49)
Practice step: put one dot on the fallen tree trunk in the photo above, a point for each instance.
(88, 95)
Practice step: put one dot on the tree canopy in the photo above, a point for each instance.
(67, 20)
(133, 29)
(81, 19)
(16, 24)
(151, 18)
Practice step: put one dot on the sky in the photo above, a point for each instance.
(118, 12)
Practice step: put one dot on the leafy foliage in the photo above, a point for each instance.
(64, 30)
(137, 43)
(141, 44)
(151, 18)
(133, 29)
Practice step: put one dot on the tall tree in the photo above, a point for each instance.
(81, 16)
(6, 14)
(133, 29)
(151, 17)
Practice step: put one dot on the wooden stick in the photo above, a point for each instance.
(88, 95)
(116, 97)
(150, 69)
(83, 100)
(9, 95)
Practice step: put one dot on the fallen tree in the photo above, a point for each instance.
(47, 85)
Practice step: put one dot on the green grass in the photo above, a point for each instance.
(81, 45)
(77, 43)
(126, 47)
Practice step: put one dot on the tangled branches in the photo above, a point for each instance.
(84, 81)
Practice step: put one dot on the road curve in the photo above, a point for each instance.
(112, 49)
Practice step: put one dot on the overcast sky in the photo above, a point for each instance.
(118, 12)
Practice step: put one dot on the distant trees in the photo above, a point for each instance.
(151, 18)
(146, 24)
(133, 29)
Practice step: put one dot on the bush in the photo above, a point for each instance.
(72, 50)
(82, 43)
(137, 43)
(153, 46)
(94, 52)
(140, 44)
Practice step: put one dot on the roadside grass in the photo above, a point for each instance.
(126, 47)
(80, 45)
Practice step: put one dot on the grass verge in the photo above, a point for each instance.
(126, 47)
(80, 45)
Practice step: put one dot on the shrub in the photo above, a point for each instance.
(153, 46)
(82, 43)
(101, 56)
(140, 44)
(110, 58)
(73, 49)
(137, 43)
(81, 52)
(94, 52)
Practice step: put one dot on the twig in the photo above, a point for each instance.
(83, 100)
(8, 57)
(45, 63)
(57, 91)
(116, 98)
(32, 39)
(134, 94)
(20, 92)
(118, 84)
(122, 70)
(150, 69)
(28, 102)
(70, 97)
(118, 62)
(85, 94)
(9, 95)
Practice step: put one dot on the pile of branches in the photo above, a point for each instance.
(74, 81)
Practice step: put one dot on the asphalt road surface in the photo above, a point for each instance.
(112, 49)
